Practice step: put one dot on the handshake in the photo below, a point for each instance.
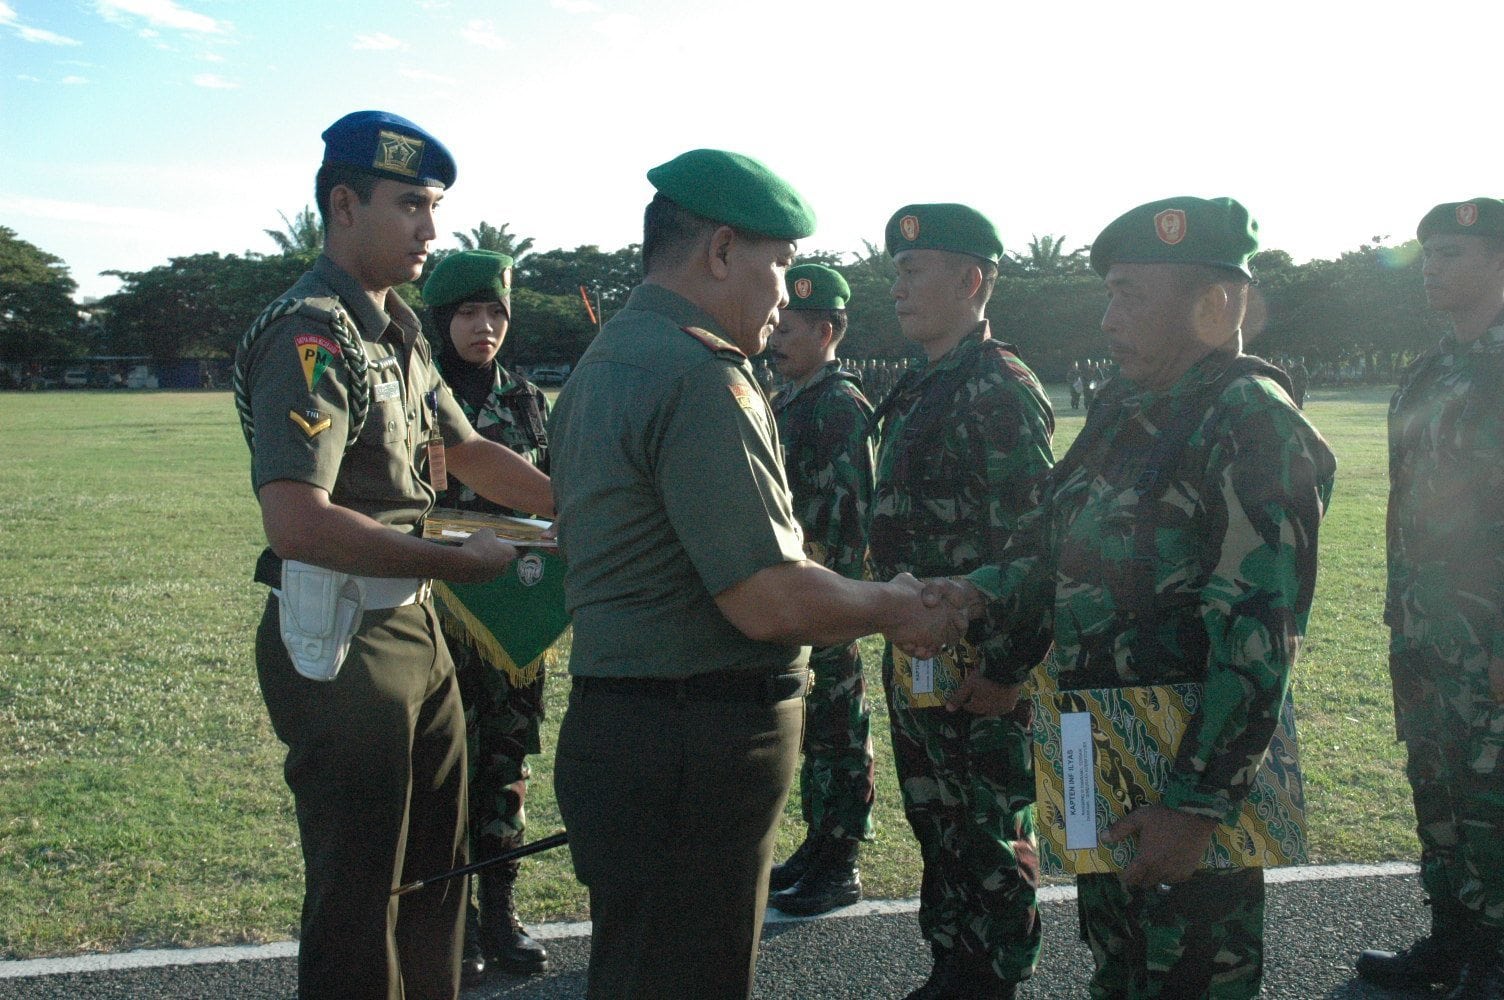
(930, 614)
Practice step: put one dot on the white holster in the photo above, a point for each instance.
(319, 613)
(320, 609)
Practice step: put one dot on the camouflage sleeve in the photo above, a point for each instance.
(843, 477)
(1265, 489)
(1012, 433)
(1014, 632)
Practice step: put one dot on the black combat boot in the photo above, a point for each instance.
(785, 875)
(472, 959)
(943, 980)
(832, 880)
(1436, 958)
(1483, 976)
(502, 938)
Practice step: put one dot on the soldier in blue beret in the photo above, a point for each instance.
(351, 431)
(1445, 605)
(692, 598)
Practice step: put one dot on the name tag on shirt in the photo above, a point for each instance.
(385, 392)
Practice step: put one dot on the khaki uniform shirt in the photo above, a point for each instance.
(669, 489)
(297, 382)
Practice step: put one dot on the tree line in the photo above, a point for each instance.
(1364, 310)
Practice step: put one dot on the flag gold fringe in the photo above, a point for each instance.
(455, 617)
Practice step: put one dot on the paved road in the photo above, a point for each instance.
(1315, 928)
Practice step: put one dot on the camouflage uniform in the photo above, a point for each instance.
(1222, 599)
(953, 476)
(828, 461)
(1445, 609)
(502, 716)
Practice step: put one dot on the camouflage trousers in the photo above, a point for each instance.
(836, 778)
(1453, 731)
(501, 729)
(967, 784)
(1202, 939)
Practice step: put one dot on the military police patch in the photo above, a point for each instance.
(311, 422)
(1467, 213)
(315, 352)
(743, 396)
(803, 287)
(398, 153)
(909, 226)
(1169, 226)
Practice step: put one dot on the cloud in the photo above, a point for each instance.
(9, 19)
(378, 42)
(213, 81)
(483, 33)
(161, 14)
(28, 78)
(620, 27)
(45, 37)
(80, 211)
(424, 76)
(74, 81)
(576, 6)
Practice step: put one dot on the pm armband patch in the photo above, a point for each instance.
(315, 353)
(310, 422)
(742, 395)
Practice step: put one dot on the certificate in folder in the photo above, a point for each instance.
(1103, 752)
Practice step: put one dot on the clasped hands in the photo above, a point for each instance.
(935, 614)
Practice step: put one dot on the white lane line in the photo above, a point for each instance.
(155, 958)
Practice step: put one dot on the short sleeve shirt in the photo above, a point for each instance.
(297, 379)
(670, 489)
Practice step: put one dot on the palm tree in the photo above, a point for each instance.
(1047, 255)
(302, 233)
(496, 239)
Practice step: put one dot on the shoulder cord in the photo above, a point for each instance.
(352, 348)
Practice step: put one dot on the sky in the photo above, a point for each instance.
(142, 130)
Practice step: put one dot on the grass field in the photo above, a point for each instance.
(141, 796)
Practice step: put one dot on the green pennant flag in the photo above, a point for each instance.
(514, 619)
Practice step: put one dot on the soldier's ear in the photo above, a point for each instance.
(718, 251)
(1212, 313)
(827, 333)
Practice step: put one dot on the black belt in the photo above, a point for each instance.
(727, 686)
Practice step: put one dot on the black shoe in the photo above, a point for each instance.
(503, 940)
(831, 880)
(472, 959)
(941, 984)
(785, 875)
(1483, 978)
(1436, 958)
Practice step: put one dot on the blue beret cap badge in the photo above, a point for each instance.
(397, 153)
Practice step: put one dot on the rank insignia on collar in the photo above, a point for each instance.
(742, 395)
(1169, 226)
(398, 153)
(311, 422)
(1467, 214)
(315, 352)
(909, 226)
(803, 287)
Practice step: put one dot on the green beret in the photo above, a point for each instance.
(1215, 231)
(736, 191)
(386, 145)
(815, 286)
(1479, 217)
(470, 276)
(957, 228)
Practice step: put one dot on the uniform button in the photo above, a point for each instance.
(391, 425)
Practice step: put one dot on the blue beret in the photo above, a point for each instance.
(387, 145)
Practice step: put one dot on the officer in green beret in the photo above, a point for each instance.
(1445, 606)
(965, 442)
(827, 456)
(469, 295)
(1175, 542)
(351, 430)
(691, 595)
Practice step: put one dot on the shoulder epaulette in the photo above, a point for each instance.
(330, 313)
(710, 340)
